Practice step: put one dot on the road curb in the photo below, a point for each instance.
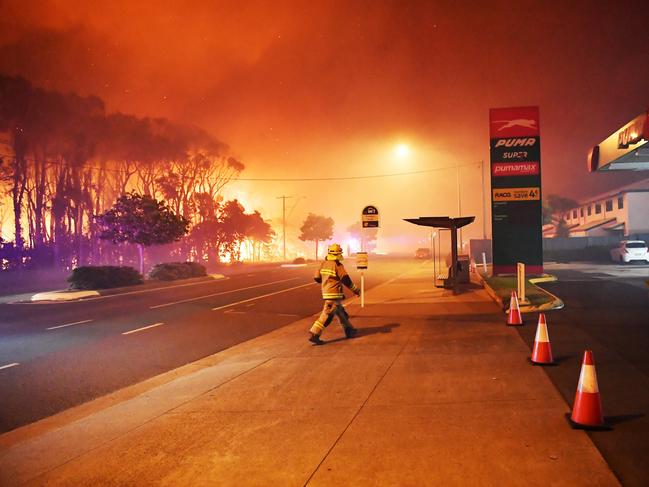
(75, 295)
(554, 304)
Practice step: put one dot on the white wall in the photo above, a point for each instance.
(638, 205)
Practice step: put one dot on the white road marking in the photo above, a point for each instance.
(287, 314)
(220, 293)
(231, 311)
(68, 324)
(140, 291)
(143, 328)
(260, 297)
(8, 365)
(249, 305)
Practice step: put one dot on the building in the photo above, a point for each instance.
(621, 212)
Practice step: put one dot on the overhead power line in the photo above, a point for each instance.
(278, 180)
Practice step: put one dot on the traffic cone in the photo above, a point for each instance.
(542, 352)
(587, 409)
(514, 315)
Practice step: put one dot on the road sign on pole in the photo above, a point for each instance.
(370, 217)
(361, 260)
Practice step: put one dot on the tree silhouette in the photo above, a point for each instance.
(316, 228)
(143, 221)
(258, 232)
(556, 204)
(69, 160)
(554, 207)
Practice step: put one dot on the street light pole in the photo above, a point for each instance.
(459, 199)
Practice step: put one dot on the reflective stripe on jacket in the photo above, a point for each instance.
(332, 275)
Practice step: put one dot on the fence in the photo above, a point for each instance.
(576, 243)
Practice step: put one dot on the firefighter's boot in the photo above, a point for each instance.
(315, 339)
(350, 331)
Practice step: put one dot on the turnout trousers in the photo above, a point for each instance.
(331, 308)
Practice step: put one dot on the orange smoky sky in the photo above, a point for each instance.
(327, 88)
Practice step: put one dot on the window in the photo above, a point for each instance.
(574, 213)
(609, 205)
(598, 208)
(566, 217)
(620, 202)
(581, 212)
(590, 210)
(636, 245)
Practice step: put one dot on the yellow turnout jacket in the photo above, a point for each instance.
(332, 275)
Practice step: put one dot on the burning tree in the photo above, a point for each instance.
(143, 221)
(69, 160)
(366, 236)
(316, 228)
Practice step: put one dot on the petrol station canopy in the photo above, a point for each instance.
(627, 149)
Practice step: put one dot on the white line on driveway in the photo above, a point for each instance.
(8, 365)
(68, 324)
(221, 293)
(262, 296)
(143, 328)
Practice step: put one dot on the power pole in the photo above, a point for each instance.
(284, 198)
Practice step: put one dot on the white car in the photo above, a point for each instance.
(630, 250)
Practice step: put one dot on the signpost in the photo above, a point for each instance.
(516, 219)
(361, 264)
(369, 219)
(520, 274)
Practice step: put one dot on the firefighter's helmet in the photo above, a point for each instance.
(334, 252)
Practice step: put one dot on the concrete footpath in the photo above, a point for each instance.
(435, 390)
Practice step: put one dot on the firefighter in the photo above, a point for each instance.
(332, 275)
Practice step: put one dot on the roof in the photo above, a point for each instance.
(590, 225)
(637, 187)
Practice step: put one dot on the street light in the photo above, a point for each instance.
(402, 151)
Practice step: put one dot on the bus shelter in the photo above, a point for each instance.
(451, 224)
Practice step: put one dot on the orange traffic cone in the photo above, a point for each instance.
(514, 315)
(542, 352)
(587, 409)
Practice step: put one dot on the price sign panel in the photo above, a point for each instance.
(516, 189)
(361, 260)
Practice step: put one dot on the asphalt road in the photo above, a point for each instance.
(55, 356)
(606, 310)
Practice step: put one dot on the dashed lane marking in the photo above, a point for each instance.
(68, 324)
(221, 293)
(233, 312)
(142, 329)
(8, 365)
(260, 297)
